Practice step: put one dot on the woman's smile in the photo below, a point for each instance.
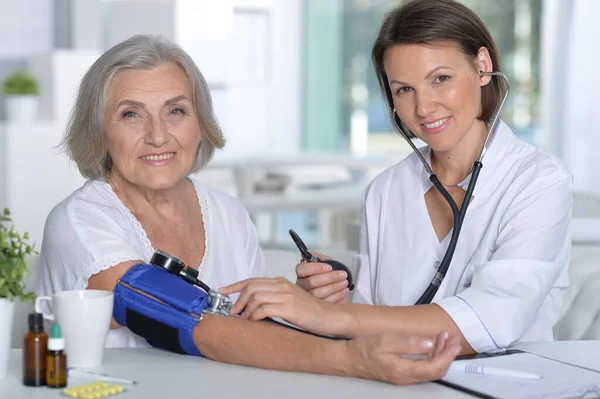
(435, 126)
(162, 159)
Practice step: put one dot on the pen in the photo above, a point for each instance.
(73, 372)
(471, 368)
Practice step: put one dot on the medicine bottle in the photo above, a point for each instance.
(35, 346)
(56, 367)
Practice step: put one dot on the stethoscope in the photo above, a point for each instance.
(458, 215)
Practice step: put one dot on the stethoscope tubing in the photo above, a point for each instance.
(458, 214)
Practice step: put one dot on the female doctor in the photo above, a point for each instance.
(508, 274)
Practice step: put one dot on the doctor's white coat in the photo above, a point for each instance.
(509, 272)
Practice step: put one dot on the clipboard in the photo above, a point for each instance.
(501, 388)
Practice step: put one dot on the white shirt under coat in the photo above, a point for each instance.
(92, 230)
(509, 272)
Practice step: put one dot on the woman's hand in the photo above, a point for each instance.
(318, 280)
(384, 357)
(277, 297)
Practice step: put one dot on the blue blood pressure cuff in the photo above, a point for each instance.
(159, 306)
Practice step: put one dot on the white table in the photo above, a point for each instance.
(165, 375)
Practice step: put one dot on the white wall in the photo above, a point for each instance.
(581, 132)
(26, 26)
(257, 92)
(266, 116)
(34, 175)
(571, 89)
(59, 74)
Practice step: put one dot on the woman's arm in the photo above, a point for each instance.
(260, 344)
(379, 357)
(107, 280)
(261, 298)
(421, 319)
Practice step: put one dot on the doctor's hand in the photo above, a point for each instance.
(261, 298)
(318, 280)
(384, 357)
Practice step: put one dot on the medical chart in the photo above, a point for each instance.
(559, 380)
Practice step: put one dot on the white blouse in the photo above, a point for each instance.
(92, 230)
(509, 272)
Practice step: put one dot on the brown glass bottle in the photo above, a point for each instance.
(56, 370)
(35, 347)
(56, 366)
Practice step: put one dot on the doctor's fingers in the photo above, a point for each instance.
(262, 305)
(342, 296)
(308, 269)
(239, 286)
(329, 289)
(321, 280)
(257, 285)
(295, 307)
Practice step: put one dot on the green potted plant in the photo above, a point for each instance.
(21, 91)
(14, 251)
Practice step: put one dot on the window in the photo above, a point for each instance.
(357, 109)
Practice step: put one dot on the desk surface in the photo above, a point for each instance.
(165, 375)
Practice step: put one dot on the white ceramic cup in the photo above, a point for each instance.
(84, 317)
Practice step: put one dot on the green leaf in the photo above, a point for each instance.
(14, 264)
(20, 83)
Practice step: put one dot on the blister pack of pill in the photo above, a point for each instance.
(94, 390)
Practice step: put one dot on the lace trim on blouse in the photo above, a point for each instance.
(144, 241)
(95, 268)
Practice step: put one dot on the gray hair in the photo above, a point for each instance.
(85, 137)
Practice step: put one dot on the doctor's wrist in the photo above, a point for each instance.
(341, 322)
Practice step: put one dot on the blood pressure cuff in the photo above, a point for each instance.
(159, 306)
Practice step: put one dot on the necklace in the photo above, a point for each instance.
(450, 185)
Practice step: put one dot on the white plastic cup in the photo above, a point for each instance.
(84, 317)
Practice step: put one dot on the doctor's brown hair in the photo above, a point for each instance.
(431, 21)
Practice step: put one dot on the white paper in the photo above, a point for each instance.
(559, 380)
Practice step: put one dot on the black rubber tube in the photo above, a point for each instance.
(459, 217)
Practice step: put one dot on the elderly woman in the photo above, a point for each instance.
(142, 123)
